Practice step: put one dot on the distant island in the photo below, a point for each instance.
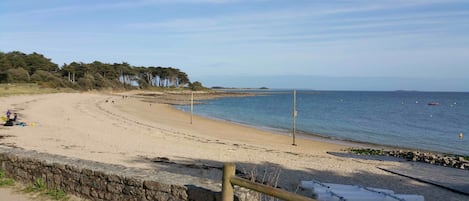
(406, 90)
(235, 88)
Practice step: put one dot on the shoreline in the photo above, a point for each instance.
(306, 135)
(131, 132)
(347, 145)
(351, 144)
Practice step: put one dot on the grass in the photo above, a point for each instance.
(39, 186)
(5, 181)
(269, 176)
(57, 194)
(17, 89)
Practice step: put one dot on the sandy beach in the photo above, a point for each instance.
(128, 131)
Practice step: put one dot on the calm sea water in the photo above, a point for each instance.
(402, 119)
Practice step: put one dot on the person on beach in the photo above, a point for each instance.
(15, 117)
(10, 121)
(8, 114)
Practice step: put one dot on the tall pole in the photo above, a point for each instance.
(192, 104)
(295, 113)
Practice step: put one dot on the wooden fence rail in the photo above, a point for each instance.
(230, 179)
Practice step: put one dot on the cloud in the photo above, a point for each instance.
(309, 24)
(239, 34)
(49, 8)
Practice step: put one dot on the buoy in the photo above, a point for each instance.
(460, 135)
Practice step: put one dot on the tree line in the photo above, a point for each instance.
(18, 67)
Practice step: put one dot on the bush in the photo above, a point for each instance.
(196, 86)
(17, 75)
(87, 82)
(48, 80)
(101, 82)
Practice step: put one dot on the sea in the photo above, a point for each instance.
(430, 121)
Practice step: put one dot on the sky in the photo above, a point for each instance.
(309, 44)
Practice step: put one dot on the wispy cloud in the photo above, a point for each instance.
(332, 36)
(311, 24)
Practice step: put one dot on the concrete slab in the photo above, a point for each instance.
(453, 179)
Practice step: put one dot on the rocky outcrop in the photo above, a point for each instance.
(432, 158)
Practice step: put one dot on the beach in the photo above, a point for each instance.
(130, 130)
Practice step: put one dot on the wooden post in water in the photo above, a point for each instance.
(192, 104)
(295, 113)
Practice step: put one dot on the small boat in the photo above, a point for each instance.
(433, 103)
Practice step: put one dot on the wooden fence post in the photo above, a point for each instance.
(229, 170)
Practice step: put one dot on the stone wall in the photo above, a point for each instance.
(99, 181)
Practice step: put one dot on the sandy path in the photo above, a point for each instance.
(7, 194)
(128, 131)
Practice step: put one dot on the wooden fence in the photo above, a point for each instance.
(230, 179)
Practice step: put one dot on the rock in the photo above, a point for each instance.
(114, 178)
(115, 188)
(131, 181)
(135, 191)
(179, 192)
(152, 185)
(85, 190)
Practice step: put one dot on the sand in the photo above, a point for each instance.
(7, 194)
(128, 131)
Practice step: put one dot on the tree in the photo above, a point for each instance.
(15, 59)
(20, 67)
(37, 61)
(183, 79)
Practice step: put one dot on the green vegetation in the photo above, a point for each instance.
(5, 181)
(39, 186)
(197, 86)
(28, 88)
(373, 152)
(57, 194)
(18, 67)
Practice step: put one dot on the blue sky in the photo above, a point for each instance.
(379, 44)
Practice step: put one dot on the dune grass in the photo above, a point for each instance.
(18, 89)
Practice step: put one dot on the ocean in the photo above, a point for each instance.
(401, 119)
